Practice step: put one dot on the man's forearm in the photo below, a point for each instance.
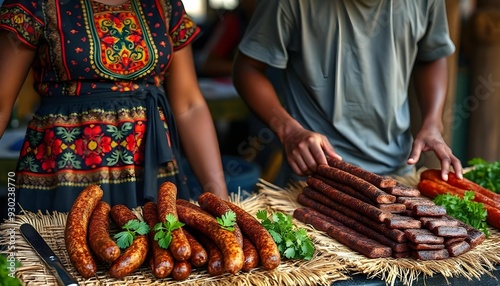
(431, 84)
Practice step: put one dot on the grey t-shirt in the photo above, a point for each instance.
(347, 66)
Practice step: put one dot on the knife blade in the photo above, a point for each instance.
(47, 255)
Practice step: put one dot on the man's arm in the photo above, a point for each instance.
(305, 150)
(431, 86)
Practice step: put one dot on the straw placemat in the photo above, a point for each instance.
(323, 269)
(471, 265)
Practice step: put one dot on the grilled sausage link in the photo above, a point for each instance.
(182, 270)
(224, 239)
(133, 257)
(199, 256)
(161, 261)
(99, 239)
(268, 250)
(179, 246)
(218, 207)
(75, 233)
(215, 264)
(251, 255)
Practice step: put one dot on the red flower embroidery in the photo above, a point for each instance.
(93, 145)
(48, 151)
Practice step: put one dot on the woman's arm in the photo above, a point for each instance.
(195, 124)
(15, 63)
(431, 85)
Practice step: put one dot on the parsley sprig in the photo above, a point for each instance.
(164, 230)
(464, 209)
(132, 228)
(227, 221)
(7, 276)
(485, 174)
(292, 242)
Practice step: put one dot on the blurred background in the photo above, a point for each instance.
(250, 150)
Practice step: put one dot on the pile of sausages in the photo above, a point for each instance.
(380, 217)
(431, 185)
(201, 243)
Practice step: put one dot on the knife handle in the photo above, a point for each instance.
(62, 275)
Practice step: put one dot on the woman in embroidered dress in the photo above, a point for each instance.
(112, 76)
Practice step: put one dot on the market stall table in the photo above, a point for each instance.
(333, 262)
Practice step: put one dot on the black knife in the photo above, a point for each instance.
(47, 255)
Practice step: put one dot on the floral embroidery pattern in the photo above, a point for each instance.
(97, 145)
(26, 27)
(124, 48)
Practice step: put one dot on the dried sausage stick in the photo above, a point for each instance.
(429, 210)
(403, 222)
(402, 190)
(199, 256)
(251, 255)
(269, 253)
(351, 223)
(458, 248)
(215, 264)
(392, 208)
(423, 236)
(133, 257)
(474, 236)
(368, 189)
(218, 207)
(346, 200)
(179, 245)
(377, 180)
(224, 239)
(352, 239)
(430, 254)
(99, 239)
(345, 188)
(393, 234)
(162, 260)
(75, 233)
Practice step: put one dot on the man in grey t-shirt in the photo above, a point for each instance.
(347, 67)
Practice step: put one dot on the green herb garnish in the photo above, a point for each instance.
(464, 209)
(227, 221)
(132, 228)
(7, 271)
(485, 174)
(292, 242)
(164, 230)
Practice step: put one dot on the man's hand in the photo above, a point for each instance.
(430, 139)
(305, 150)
